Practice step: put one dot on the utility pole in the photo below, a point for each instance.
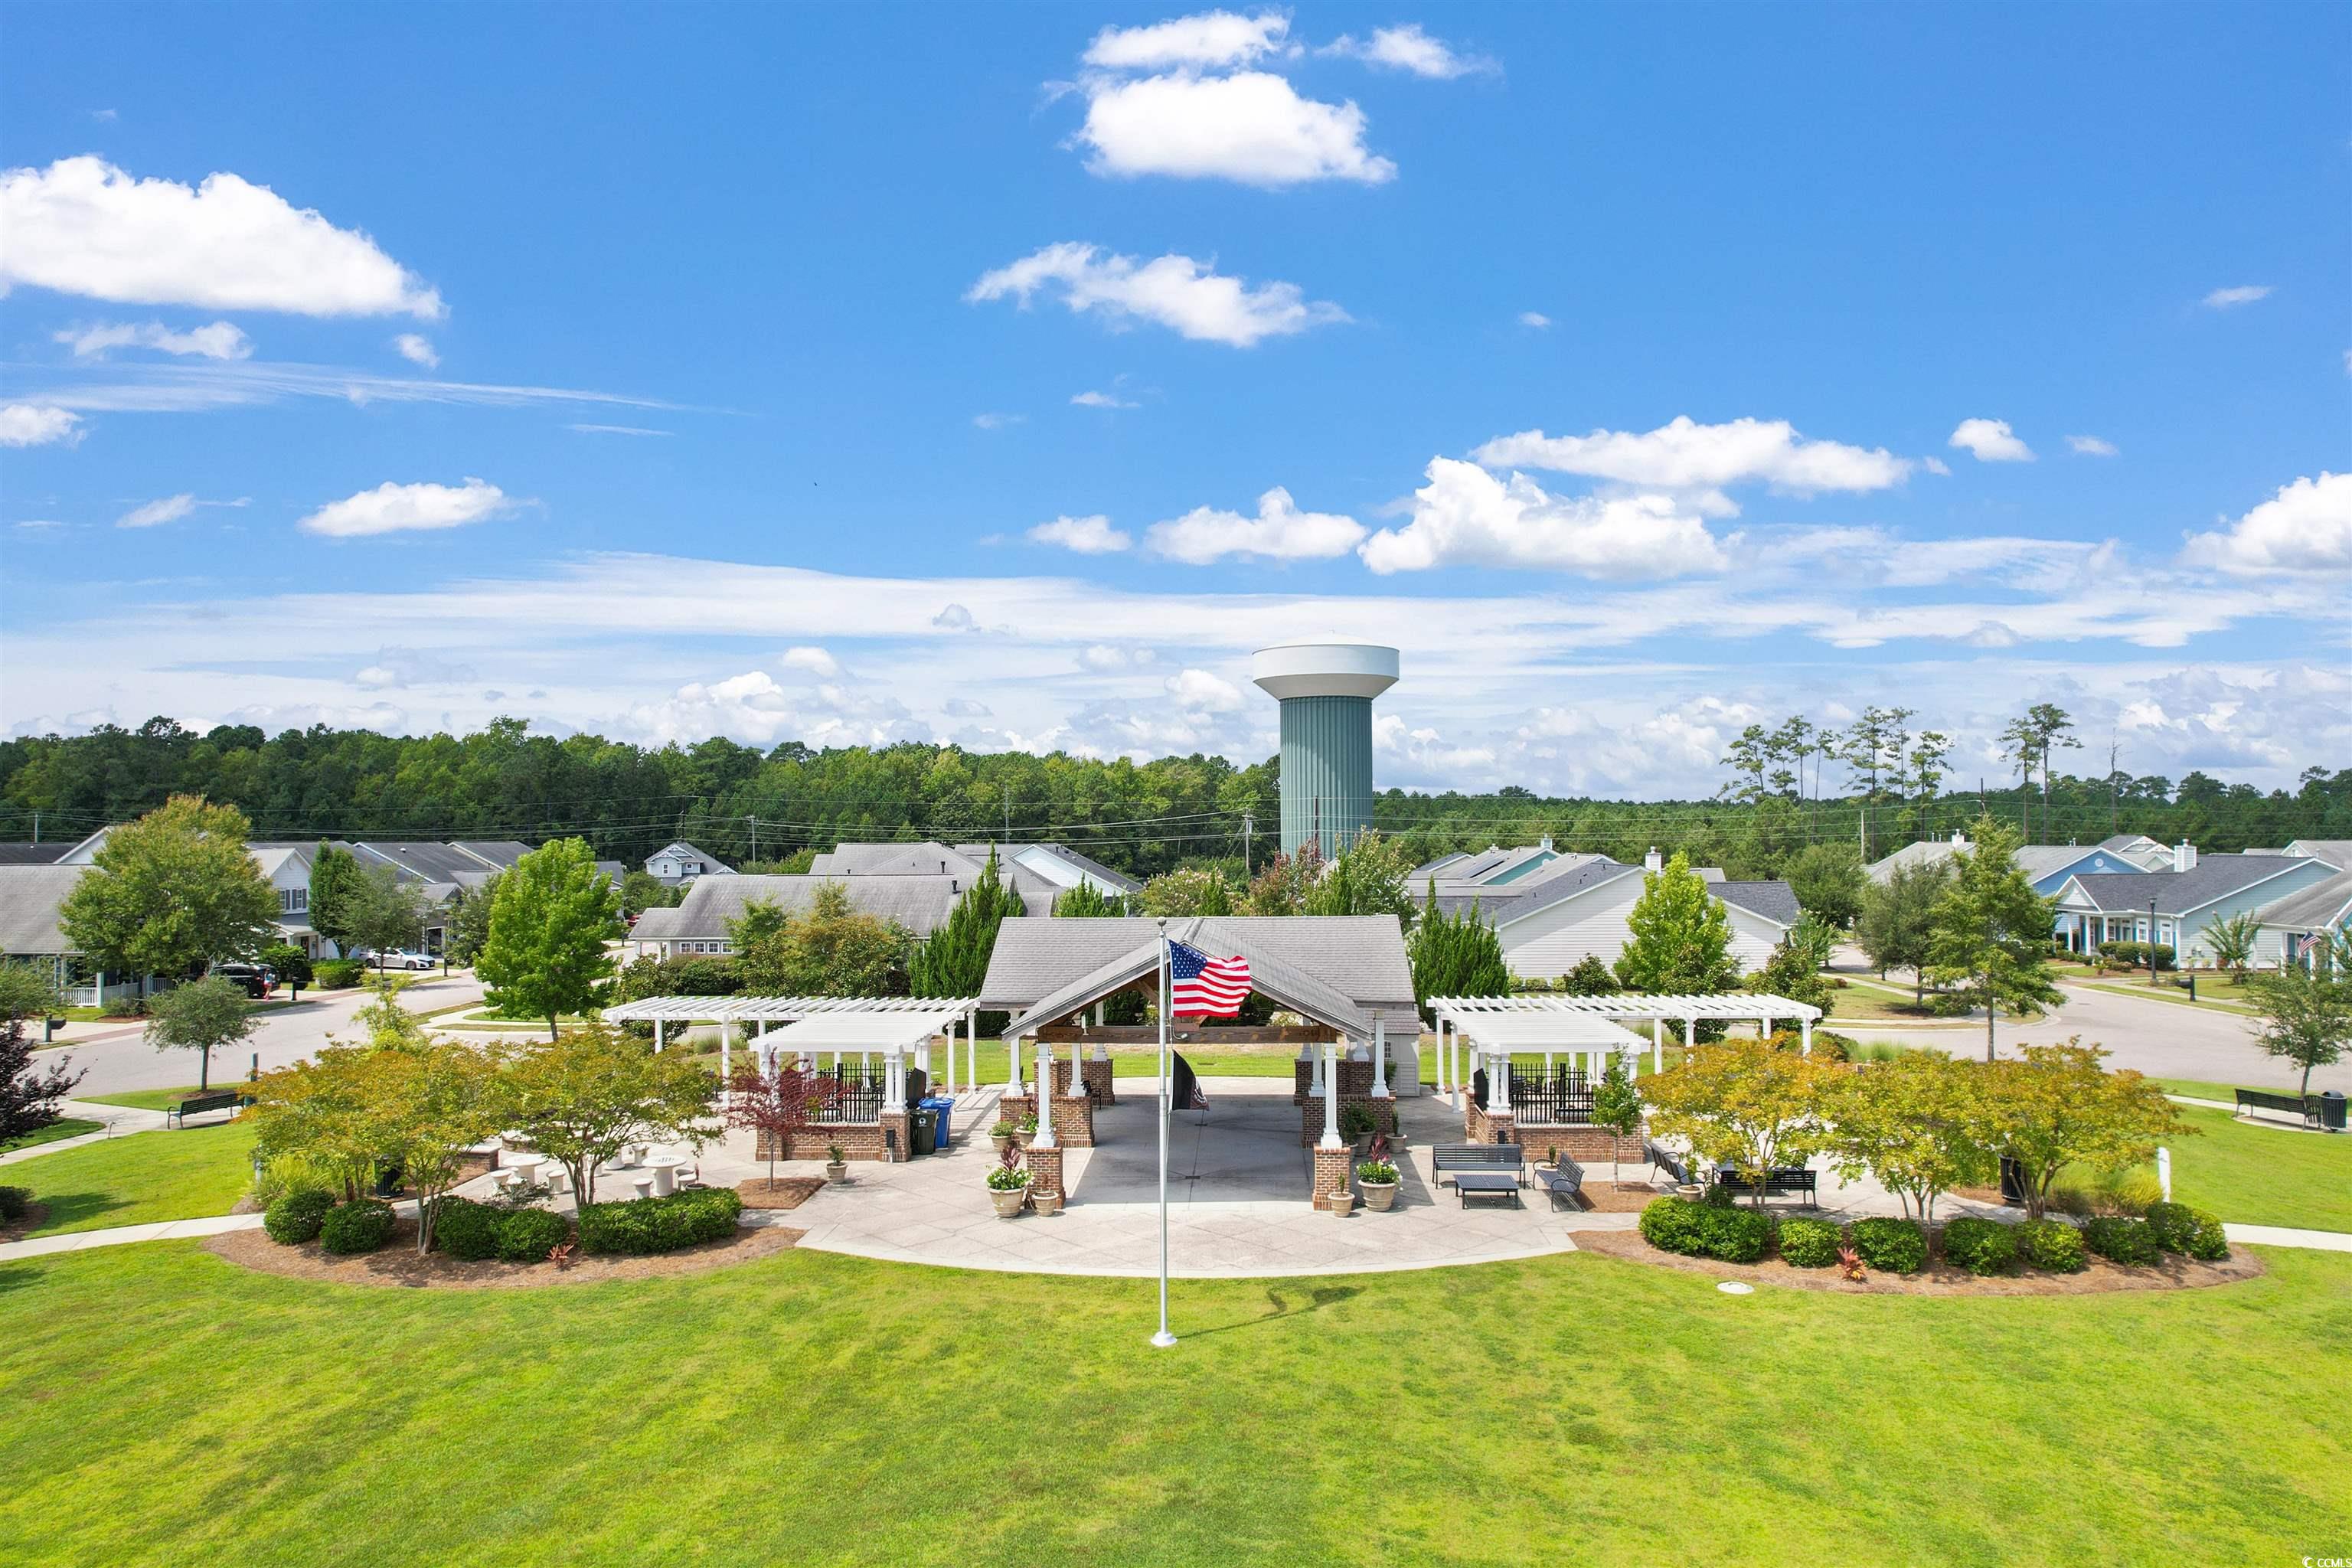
(2112, 749)
(1247, 823)
(755, 840)
(1008, 815)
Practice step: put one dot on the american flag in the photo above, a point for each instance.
(1205, 986)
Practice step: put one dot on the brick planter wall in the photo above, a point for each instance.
(1045, 1173)
(1097, 1078)
(1487, 1126)
(1588, 1146)
(1074, 1115)
(858, 1141)
(1310, 1116)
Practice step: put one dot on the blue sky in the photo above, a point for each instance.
(1641, 371)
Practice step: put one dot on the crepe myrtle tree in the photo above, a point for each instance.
(776, 1103)
(28, 1098)
(2054, 1106)
(590, 1091)
(1747, 1104)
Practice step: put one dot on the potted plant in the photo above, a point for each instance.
(1028, 1128)
(1357, 1125)
(1048, 1204)
(1378, 1180)
(1008, 1185)
(1001, 1136)
(1342, 1201)
(836, 1164)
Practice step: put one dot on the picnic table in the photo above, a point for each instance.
(1468, 1185)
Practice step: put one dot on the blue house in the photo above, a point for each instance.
(2179, 906)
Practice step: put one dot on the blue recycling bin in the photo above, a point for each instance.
(941, 1109)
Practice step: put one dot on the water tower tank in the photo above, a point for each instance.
(1326, 690)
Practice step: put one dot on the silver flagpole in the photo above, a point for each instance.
(1164, 1339)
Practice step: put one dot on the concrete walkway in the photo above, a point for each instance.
(118, 1120)
(121, 1234)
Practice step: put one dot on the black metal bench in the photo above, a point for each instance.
(2306, 1106)
(1564, 1182)
(1786, 1183)
(1509, 1158)
(198, 1104)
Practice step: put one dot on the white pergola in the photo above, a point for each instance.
(938, 1015)
(890, 1033)
(1494, 1037)
(1481, 1021)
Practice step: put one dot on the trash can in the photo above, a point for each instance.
(2331, 1111)
(921, 1125)
(942, 1110)
(2013, 1181)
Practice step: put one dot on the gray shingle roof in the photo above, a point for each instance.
(918, 903)
(32, 854)
(2336, 852)
(1118, 879)
(1327, 963)
(659, 924)
(436, 862)
(29, 897)
(1775, 901)
(2177, 892)
(1507, 903)
(2316, 908)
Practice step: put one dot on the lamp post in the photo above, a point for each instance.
(1164, 1339)
(2151, 941)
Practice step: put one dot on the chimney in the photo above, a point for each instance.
(1546, 841)
(1960, 839)
(1653, 861)
(2184, 855)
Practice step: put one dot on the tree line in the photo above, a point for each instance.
(1877, 784)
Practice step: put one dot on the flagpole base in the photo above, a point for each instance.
(1163, 1339)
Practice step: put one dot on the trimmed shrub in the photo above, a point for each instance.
(1896, 1246)
(1705, 1230)
(528, 1235)
(335, 973)
(296, 1217)
(2127, 1241)
(2134, 955)
(660, 1225)
(355, 1228)
(2191, 1232)
(13, 1202)
(1809, 1243)
(1981, 1246)
(2051, 1244)
(467, 1230)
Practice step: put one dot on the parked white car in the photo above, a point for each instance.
(399, 958)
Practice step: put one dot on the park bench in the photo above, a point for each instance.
(1447, 1159)
(198, 1104)
(2306, 1106)
(1778, 1183)
(1564, 1182)
(1671, 1163)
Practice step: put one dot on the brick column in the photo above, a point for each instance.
(1331, 1172)
(1045, 1171)
(893, 1126)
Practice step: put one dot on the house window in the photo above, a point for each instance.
(293, 900)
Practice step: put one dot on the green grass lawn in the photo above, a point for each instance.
(155, 1098)
(821, 1410)
(186, 1173)
(57, 1132)
(2262, 1175)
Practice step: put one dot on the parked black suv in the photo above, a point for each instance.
(258, 980)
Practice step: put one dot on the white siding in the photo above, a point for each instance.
(1550, 943)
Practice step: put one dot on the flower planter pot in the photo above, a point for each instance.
(1001, 1142)
(837, 1171)
(1048, 1204)
(1342, 1204)
(1379, 1197)
(1007, 1201)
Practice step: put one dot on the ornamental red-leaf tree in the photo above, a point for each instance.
(776, 1104)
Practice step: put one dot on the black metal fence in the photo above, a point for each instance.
(1562, 1095)
(850, 1094)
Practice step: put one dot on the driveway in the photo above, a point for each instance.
(121, 1060)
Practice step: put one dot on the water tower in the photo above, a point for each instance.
(1326, 690)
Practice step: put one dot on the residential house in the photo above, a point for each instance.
(2047, 866)
(1053, 868)
(1553, 909)
(33, 854)
(2178, 906)
(30, 900)
(2301, 923)
(700, 924)
(682, 862)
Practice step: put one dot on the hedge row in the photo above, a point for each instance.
(660, 1225)
(472, 1231)
(298, 1217)
(1982, 1246)
(354, 1228)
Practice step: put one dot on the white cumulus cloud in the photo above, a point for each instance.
(1201, 690)
(1467, 516)
(221, 340)
(416, 349)
(1211, 38)
(1088, 535)
(994, 421)
(1409, 49)
(1101, 400)
(2230, 298)
(1687, 456)
(2305, 527)
(2091, 446)
(1175, 291)
(396, 509)
(1252, 127)
(32, 425)
(1279, 532)
(84, 226)
(1535, 318)
(816, 660)
(170, 509)
(1990, 441)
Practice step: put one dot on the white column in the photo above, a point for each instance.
(1445, 1080)
(1690, 1034)
(1807, 1025)
(657, 1023)
(1012, 1067)
(1657, 1048)
(971, 1049)
(1499, 1079)
(725, 1057)
(950, 1090)
(1044, 1139)
(1078, 1067)
(1380, 1057)
(1315, 1075)
(1331, 1063)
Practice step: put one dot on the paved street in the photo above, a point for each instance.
(122, 1060)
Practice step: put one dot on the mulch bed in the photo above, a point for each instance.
(398, 1263)
(1604, 1196)
(783, 1192)
(1938, 1279)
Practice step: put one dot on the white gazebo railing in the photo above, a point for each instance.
(926, 1016)
(1473, 1016)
